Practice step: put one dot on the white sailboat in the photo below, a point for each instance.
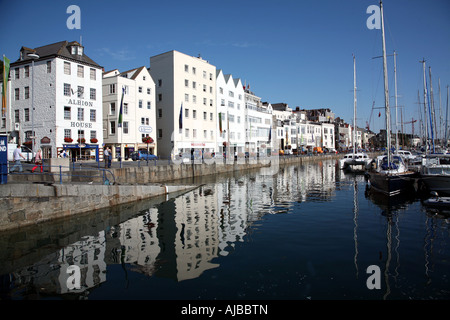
(354, 161)
(389, 174)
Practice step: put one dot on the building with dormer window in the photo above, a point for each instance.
(67, 91)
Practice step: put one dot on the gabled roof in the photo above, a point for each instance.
(58, 49)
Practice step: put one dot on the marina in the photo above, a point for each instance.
(304, 232)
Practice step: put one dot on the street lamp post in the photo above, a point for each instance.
(33, 56)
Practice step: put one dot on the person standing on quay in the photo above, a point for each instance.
(17, 154)
(107, 157)
(38, 161)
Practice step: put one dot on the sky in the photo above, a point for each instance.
(288, 51)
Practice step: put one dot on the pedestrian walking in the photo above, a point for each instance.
(107, 156)
(17, 154)
(38, 161)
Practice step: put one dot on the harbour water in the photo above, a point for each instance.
(307, 232)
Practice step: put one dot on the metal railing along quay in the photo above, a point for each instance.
(60, 174)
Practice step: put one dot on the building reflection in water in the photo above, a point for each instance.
(180, 238)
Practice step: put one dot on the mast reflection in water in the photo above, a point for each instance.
(305, 232)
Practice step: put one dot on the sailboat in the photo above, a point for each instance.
(389, 174)
(354, 161)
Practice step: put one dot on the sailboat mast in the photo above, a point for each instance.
(386, 90)
(425, 105)
(396, 114)
(354, 105)
(431, 107)
(446, 123)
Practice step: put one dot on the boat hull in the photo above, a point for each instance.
(438, 183)
(392, 184)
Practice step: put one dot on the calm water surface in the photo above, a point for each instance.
(303, 232)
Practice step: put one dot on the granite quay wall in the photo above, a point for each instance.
(28, 203)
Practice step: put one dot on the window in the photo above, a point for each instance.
(16, 73)
(194, 133)
(211, 116)
(112, 109)
(159, 113)
(67, 89)
(93, 94)
(205, 115)
(140, 104)
(205, 134)
(125, 108)
(149, 105)
(80, 71)
(186, 113)
(194, 70)
(112, 127)
(93, 74)
(159, 82)
(67, 68)
(204, 88)
(204, 74)
(67, 133)
(80, 116)
(125, 127)
(149, 91)
(93, 134)
(26, 71)
(186, 83)
(186, 97)
(160, 133)
(66, 113)
(80, 92)
(160, 97)
(49, 67)
(194, 114)
(194, 85)
(186, 133)
(27, 93)
(27, 114)
(112, 88)
(17, 116)
(93, 115)
(80, 134)
(140, 89)
(186, 68)
(17, 94)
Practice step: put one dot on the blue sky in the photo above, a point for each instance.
(292, 51)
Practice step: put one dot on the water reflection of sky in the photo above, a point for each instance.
(194, 233)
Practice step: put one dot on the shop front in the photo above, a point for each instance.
(82, 151)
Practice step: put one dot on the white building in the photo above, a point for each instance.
(231, 114)
(138, 111)
(258, 123)
(67, 101)
(186, 104)
(328, 138)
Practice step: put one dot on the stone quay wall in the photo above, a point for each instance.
(29, 203)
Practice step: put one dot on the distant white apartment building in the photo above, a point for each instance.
(67, 101)
(258, 123)
(231, 114)
(138, 111)
(328, 138)
(186, 104)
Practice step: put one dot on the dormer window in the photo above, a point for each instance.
(78, 50)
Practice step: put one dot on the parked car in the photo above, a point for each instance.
(142, 155)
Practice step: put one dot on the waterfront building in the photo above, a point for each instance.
(138, 111)
(258, 123)
(231, 114)
(328, 140)
(185, 93)
(287, 127)
(67, 96)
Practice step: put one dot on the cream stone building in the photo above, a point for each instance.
(186, 104)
